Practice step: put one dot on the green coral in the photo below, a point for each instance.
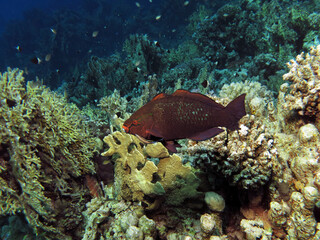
(44, 151)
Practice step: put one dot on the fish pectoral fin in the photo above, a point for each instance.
(142, 139)
(155, 133)
(201, 136)
(171, 146)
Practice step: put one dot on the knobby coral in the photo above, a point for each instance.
(246, 158)
(304, 74)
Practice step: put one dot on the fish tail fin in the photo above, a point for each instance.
(237, 110)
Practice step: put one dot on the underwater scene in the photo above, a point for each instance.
(160, 120)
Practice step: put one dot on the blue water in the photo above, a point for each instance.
(15, 9)
(26, 32)
(64, 35)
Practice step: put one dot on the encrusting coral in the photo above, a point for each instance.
(44, 152)
(140, 179)
(296, 193)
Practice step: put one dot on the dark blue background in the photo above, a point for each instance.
(14, 9)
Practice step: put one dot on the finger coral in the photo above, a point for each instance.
(140, 179)
(44, 151)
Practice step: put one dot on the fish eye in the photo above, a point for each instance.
(135, 122)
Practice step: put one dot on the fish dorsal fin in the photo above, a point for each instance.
(159, 96)
(197, 97)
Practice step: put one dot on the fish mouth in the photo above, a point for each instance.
(125, 128)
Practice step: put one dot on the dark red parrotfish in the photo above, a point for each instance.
(183, 114)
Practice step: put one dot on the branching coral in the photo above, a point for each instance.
(45, 149)
(145, 54)
(115, 107)
(100, 78)
(140, 179)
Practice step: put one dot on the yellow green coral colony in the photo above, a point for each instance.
(137, 177)
(48, 150)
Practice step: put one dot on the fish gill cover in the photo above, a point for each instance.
(80, 69)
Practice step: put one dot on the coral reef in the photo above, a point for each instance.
(110, 218)
(305, 87)
(255, 230)
(247, 158)
(258, 97)
(123, 225)
(115, 108)
(144, 54)
(143, 60)
(236, 43)
(45, 150)
(277, 149)
(261, 181)
(101, 76)
(270, 163)
(296, 193)
(140, 179)
(72, 44)
(257, 36)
